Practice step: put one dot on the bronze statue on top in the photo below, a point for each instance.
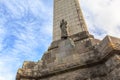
(63, 27)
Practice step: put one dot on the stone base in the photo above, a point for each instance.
(76, 58)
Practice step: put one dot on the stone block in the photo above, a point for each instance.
(28, 64)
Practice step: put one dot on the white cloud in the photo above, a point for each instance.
(103, 15)
(25, 30)
(6, 69)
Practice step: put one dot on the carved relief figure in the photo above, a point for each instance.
(63, 27)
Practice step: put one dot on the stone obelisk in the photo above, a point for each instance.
(70, 11)
(74, 54)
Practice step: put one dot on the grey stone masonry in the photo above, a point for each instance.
(79, 56)
(70, 11)
(68, 59)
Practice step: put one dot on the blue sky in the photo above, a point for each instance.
(25, 33)
(26, 29)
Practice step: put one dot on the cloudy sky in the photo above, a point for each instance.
(26, 28)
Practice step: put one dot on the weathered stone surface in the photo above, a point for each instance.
(77, 57)
(70, 11)
(73, 60)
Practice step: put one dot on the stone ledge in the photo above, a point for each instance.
(73, 67)
(76, 37)
(108, 47)
(81, 36)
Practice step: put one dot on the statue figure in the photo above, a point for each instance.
(63, 26)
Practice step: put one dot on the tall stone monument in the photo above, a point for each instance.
(74, 54)
(70, 11)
